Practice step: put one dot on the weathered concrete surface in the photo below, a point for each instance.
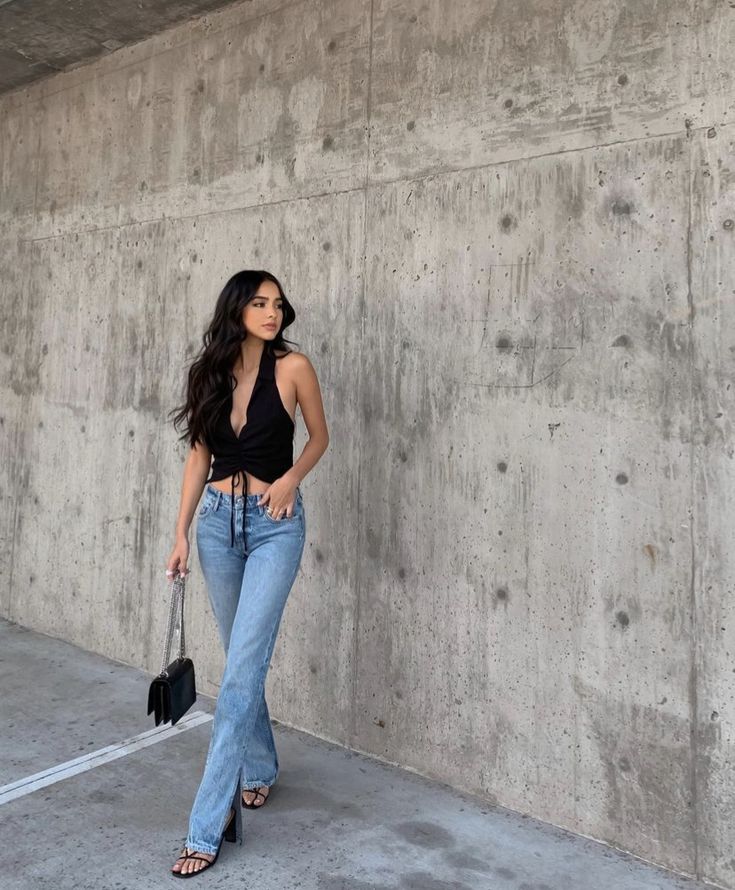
(337, 820)
(46, 36)
(507, 230)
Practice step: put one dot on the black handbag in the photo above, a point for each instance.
(173, 691)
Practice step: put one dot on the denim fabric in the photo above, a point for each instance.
(248, 587)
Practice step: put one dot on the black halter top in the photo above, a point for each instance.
(264, 445)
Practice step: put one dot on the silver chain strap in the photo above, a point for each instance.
(177, 600)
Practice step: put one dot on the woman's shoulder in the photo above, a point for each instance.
(293, 363)
(290, 356)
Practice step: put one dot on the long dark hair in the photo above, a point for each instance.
(210, 379)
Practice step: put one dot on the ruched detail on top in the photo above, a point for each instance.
(264, 446)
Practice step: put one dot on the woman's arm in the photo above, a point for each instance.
(196, 470)
(309, 398)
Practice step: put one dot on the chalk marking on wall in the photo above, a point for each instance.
(93, 759)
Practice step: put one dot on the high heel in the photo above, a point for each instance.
(231, 830)
(228, 834)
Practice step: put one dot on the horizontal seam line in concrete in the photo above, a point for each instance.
(443, 171)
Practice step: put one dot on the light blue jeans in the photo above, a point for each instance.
(247, 586)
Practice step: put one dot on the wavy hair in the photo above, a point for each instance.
(210, 380)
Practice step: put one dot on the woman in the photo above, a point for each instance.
(240, 406)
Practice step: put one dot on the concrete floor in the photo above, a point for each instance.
(337, 821)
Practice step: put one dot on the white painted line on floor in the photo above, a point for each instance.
(93, 759)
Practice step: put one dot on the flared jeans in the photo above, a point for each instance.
(248, 586)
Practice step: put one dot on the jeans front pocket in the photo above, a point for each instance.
(205, 509)
(285, 519)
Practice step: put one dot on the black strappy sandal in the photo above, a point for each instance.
(227, 835)
(252, 805)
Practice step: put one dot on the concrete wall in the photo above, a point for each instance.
(507, 229)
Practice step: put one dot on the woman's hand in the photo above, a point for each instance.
(280, 496)
(177, 562)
